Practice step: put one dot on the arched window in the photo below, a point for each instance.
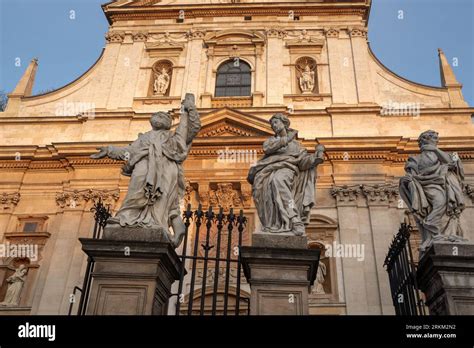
(233, 79)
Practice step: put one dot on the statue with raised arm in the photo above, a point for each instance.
(154, 163)
(433, 191)
(283, 181)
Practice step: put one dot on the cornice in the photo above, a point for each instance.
(234, 10)
(63, 156)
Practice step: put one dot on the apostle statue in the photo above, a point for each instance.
(162, 82)
(433, 191)
(15, 285)
(155, 164)
(283, 181)
(307, 80)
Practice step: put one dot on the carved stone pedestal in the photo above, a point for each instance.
(446, 276)
(279, 278)
(130, 277)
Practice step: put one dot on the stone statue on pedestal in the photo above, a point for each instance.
(433, 191)
(283, 181)
(154, 163)
(15, 285)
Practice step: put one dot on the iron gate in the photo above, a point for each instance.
(401, 270)
(228, 230)
(207, 257)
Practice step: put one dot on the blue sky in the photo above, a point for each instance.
(68, 43)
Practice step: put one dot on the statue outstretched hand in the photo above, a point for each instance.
(103, 151)
(320, 151)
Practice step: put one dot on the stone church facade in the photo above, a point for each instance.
(244, 61)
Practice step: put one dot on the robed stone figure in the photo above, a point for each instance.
(15, 285)
(154, 163)
(283, 181)
(433, 191)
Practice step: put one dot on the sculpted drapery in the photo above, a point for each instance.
(283, 181)
(154, 163)
(433, 191)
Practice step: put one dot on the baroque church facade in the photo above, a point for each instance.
(244, 61)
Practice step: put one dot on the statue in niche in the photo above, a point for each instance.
(320, 278)
(162, 82)
(283, 181)
(307, 80)
(155, 164)
(15, 285)
(433, 191)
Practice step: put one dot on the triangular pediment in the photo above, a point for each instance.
(227, 122)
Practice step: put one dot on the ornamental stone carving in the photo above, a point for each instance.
(140, 36)
(276, 33)
(469, 189)
(346, 193)
(332, 33)
(380, 193)
(195, 34)
(115, 36)
(9, 200)
(225, 196)
(74, 198)
(358, 32)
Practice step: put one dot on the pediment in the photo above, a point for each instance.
(227, 122)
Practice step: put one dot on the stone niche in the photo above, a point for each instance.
(324, 298)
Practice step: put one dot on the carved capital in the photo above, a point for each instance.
(140, 36)
(276, 33)
(358, 32)
(332, 32)
(9, 200)
(195, 34)
(76, 198)
(346, 194)
(115, 36)
(380, 194)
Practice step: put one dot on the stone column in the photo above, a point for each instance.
(446, 275)
(279, 277)
(131, 277)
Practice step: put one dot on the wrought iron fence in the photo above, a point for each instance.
(101, 215)
(215, 261)
(210, 261)
(401, 270)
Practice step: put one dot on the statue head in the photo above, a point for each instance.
(278, 121)
(307, 68)
(429, 137)
(161, 120)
